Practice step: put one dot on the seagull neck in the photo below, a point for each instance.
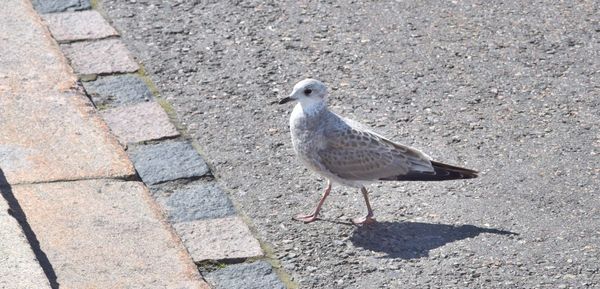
(312, 107)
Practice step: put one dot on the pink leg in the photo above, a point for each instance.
(315, 214)
(368, 219)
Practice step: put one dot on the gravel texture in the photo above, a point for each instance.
(509, 88)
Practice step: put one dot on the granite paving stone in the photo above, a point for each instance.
(106, 234)
(18, 266)
(218, 239)
(167, 161)
(257, 275)
(49, 131)
(82, 25)
(198, 201)
(139, 122)
(113, 91)
(51, 6)
(100, 57)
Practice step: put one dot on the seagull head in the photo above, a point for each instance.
(307, 92)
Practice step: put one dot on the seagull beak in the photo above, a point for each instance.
(286, 99)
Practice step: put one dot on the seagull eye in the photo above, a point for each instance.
(307, 91)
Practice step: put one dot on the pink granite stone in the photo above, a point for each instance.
(18, 265)
(218, 239)
(100, 57)
(139, 122)
(49, 130)
(83, 25)
(106, 234)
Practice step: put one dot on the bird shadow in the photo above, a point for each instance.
(411, 240)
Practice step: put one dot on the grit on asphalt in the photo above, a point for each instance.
(511, 89)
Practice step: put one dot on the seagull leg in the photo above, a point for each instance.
(368, 219)
(315, 214)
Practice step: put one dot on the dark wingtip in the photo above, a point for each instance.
(442, 172)
(458, 172)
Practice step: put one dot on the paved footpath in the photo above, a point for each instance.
(101, 186)
(70, 215)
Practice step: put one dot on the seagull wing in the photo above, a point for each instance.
(354, 153)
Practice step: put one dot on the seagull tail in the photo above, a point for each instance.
(442, 172)
(448, 172)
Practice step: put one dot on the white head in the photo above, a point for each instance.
(308, 92)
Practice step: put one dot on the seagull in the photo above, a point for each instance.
(347, 152)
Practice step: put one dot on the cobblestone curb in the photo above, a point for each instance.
(201, 213)
(71, 213)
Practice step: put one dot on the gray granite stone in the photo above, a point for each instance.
(167, 161)
(51, 6)
(257, 275)
(113, 91)
(198, 201)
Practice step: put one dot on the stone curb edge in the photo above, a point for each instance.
(164, 144)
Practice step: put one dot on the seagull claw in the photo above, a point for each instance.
(306, 218)
(366, 220)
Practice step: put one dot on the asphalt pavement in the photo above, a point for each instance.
(509, 88)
